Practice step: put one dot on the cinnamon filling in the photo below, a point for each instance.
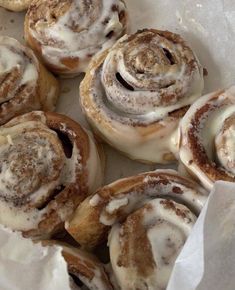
(76, 280)
(66, 143)
(169, 56)
(136, 249)
(200, 156)
(52, 197)
(123, 82)
(110, 34)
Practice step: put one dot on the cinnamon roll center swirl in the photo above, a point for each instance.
(150, 71)
(30, 161)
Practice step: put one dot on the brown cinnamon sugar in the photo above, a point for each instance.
(136, 249)
(200, 157)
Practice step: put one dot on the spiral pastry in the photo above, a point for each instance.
(135, 93)
(208, 138)
(15, 5)
(150, 216)
(48, 165)
(85, 269)
(66, 34)
(25, 85)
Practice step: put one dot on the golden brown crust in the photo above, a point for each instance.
(47, 83)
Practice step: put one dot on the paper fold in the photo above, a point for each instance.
(207, 259)
(26, 266)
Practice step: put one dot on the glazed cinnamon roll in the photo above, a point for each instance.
(207, 138)
(85, 269)
(15, 5)
(150, 216)
(25, 85)
(135, 94)
(48, 164)
(66, 34)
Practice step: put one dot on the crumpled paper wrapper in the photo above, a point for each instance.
(26, 266)
(207, 259)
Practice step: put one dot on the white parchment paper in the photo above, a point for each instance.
(26, 266)
(207, 261)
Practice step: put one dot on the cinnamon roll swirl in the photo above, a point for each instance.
(85, 269)
(135, 93)
(208, 138)
(150, 216)
(48, 164)
(66, 34)
(15, 5)
(25, 85)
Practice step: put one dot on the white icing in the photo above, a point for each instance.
(19, 78)
(9, 140)
(88, 40)
(11, 57)
(95, 200)
(19, 256)
(225, 145)
(115, 204)
(68, 174)
(213, 125)
(9, 60)
(19, 219)
(30, 74)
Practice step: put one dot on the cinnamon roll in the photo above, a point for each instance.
(150, 216)
(66, 34)
(135, 93)
(15, 5)
(49, 164)
(85, 269)
(25, 85)
(208, 138)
